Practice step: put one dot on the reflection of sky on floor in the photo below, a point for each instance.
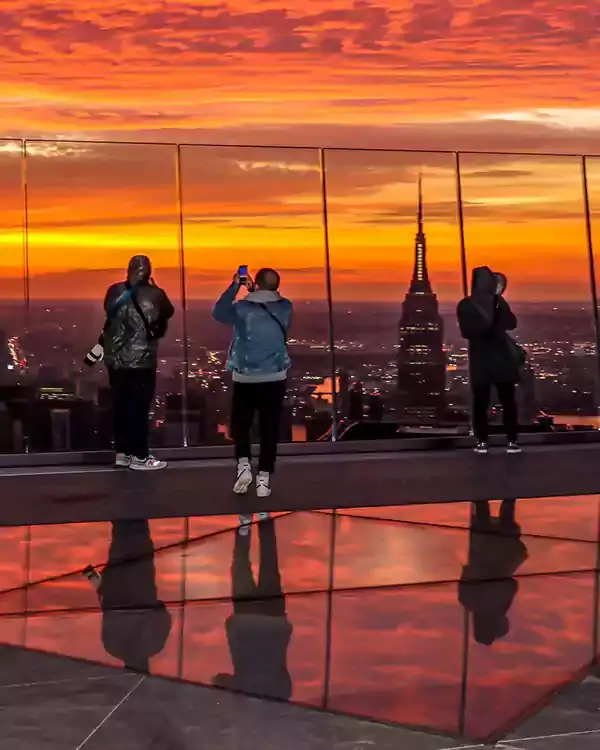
(418, 592)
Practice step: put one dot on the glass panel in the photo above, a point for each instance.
(397, 655)
(395, 260)
(260, 207)
(91, 207)
(60, 550)
(291, 554)
(372, 552)
(524, 217)
(522, 646)
(593, 185)
(142, 639)
(13, 364)
(570, 517)
(13, 572)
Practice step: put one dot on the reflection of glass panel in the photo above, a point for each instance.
(396, 655)
(569, 517)
(55, 551)
(12, 298)
(524, 216)
(372, 552)
(277, 560)
(91, 207)
(135, 639)
(260, 207)
(395, 259)
(523, 645)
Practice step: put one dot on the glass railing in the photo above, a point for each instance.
(374, 279)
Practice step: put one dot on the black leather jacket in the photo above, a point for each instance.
(127, 344)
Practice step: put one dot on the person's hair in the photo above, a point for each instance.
(268, 279)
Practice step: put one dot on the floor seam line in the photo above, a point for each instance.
(64, 682)
(111, 713)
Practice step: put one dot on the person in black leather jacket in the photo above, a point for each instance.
(137, 314)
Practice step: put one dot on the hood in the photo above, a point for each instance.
(501, 283)
(139, 269)
(262, 296)
(483, 282)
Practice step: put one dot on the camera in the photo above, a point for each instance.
(95, 355)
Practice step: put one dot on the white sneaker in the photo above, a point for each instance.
(513, 448)
(122, 461)
(244, 477)
(481, 449)
(263, 484)
(246, 520)
(147, 464)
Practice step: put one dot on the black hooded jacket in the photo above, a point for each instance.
(484, 319)
(127, 344)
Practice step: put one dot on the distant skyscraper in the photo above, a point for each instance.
(421, 358)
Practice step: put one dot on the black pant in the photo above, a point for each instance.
(267, 400)
(265, 596)
(132, 396)
(482, 395)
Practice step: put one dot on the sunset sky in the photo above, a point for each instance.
(508, 75)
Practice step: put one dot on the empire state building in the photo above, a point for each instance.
(421, 358)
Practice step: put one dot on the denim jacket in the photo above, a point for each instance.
(258, 351)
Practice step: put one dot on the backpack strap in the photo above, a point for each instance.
(276, 319)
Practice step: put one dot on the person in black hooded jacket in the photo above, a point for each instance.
(484, 319)
(137, 314)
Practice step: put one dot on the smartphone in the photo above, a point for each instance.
(93, 576)
(243, 274)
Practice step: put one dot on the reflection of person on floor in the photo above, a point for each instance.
(258, 631)
(135, 623)
(488, 587)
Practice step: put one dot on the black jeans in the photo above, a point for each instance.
(266, 399)
(482, 395)
(132, 396)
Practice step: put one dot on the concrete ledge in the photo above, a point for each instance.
(196, 488)
(208, 452)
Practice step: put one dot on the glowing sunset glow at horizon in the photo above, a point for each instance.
(363, 74)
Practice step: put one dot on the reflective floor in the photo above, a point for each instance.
(455, 618)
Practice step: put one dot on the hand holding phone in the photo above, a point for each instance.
(243, 275)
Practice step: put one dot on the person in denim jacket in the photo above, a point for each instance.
(259, 361)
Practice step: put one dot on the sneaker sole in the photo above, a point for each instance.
(241, 486)
(133, 467)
